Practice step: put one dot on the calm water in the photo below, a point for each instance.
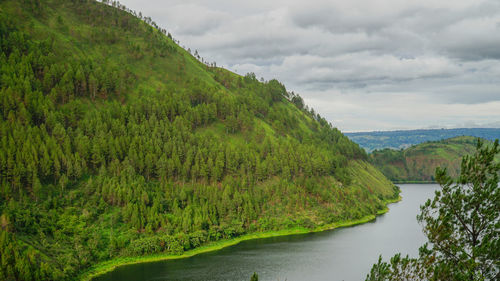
(341, 254)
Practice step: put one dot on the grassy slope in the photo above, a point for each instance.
(367, 192)
(154, 75)
(418, 163)
(151, 75)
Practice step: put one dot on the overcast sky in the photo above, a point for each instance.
(362, 64)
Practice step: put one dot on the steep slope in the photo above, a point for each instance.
(419, 162)
(116, 142)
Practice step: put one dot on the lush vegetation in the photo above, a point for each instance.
(461, 223)
(403, 139)
(418, 163)
(116, 142)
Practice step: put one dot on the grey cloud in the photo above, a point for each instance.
(200, 21)
(336, 19)
(415, 27)
(363, 64)
(474, 39)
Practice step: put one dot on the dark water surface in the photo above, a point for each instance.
(341, 254)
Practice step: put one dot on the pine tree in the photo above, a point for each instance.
(461, 223)
(254, 277)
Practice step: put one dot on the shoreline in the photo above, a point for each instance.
(414, 182)
(110, 265)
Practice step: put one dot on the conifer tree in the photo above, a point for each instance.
(461, 223)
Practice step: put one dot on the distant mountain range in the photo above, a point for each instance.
(405, 138)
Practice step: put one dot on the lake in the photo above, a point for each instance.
(340, 254)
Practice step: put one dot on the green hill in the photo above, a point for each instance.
(419, 162)
(115, 142)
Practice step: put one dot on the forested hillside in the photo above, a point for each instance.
(115, 142)
(418, 163)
